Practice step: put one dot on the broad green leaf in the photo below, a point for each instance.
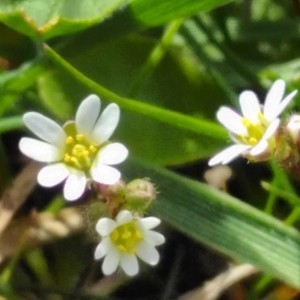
(223, 222)
(45, 19)
(157, 12)
(168, 87)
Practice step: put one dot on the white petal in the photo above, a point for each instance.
(52, 175)
(129, 264)
(87, 115)
(102, 249)
(231, 120)
(123, 217)
(250, 106)
(45, 128)
(105, 174)
(274, 97)
(74, 186)
(263, 145)
(154, 238)
(150, 222)
(105, 226)
(259, 148)
(106, 124)
(147, 253)
(271, 130)
(276, 111)
(112, 154)
(228, 154)
(111, 262)
(40, 151)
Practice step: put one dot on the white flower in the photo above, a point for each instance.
(77, 152)
(125, 239)
(253, 132)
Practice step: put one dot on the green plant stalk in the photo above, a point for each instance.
(280, 187)
(8, 271)
(173, 118)
(10, 123)
(293, 217)
(36, 261)
(155, 57)
(290, 198)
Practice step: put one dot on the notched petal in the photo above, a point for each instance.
(105, 174)
(105, 226)
(124, 216)
(129, 264)
(147, 253)
(102, 249)
(106, 124)
(150, 222)
(231, 120)
(40, 151)
(52, 175)
(111, 262)
(74, 186)
(45, 128)
(112, 154)
(250, 106)
(155, 238)
(228, 154)
(87, 115)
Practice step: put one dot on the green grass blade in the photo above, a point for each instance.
(224, 223)
(157, 12)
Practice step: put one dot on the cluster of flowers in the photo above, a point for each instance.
(258, 133)
(81, 154)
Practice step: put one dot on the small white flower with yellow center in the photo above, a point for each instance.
(125, 239)
(77, 152)
(254, 131)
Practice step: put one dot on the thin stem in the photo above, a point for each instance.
(16, 194)
(176, 119)
(155, 57)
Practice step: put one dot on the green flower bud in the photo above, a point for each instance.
(139, 194)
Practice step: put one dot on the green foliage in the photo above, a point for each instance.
(156, 12)
(225, 223)
(169, 65)
(43, 20)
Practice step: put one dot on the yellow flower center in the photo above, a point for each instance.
(126, 237)
(79, 153)
(255, 131)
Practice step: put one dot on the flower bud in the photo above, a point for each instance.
(293, 129)
(139, 194)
